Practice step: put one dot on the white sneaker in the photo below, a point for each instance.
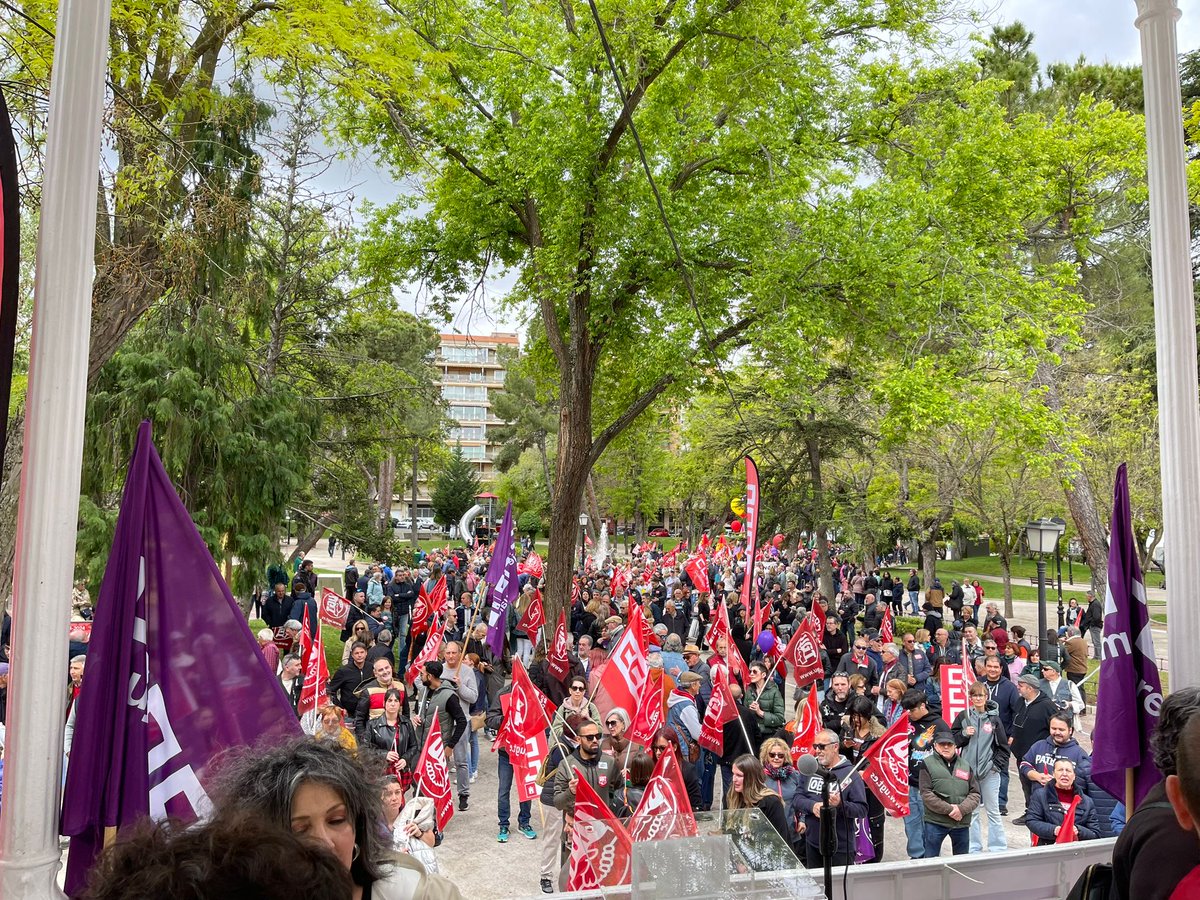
(473, 777)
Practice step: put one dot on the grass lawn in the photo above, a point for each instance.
(1022, 569)
(330, 640)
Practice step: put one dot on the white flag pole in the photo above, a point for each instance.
(48, 513)
(1174, 325)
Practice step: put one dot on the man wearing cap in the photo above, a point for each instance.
(994, 619)
(949, 793)
(1062, 693)
(683, 715)
(612, 632)
(1031, 723)
(924, 726)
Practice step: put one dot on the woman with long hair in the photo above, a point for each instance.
(749, 791)
(412, 825)
(577, 703)
(641, 767)
(359, 632)
(860, 729)
(889, 701)
(319, 791)
(983, 746)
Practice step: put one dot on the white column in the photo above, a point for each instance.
(1175, 332)
(53, 452)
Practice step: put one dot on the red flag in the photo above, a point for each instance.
(808, 723)
(619, 583)
(751, 520)
(761, 613)
(1067, 833)
(956, 681)
(427, 604)
(534, 565)
(649, 717)
(559, 661)
(316, 677)
(433, 778)
(574, 592)
(804, 653)
(334, 608)
(580, 874)
(534, 617)
(599, 836)
(622, 679)
(887, 631)
(705, 543)
(587, 539)
(526, 714)
(733, 656)
(430, 651)
(886, 773)
(721, 709)
(697, 570)
(664, 810)
(817, 615)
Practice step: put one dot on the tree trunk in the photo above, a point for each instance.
(308, 540)
(387, 486)
(1006, 571)
(594, 520)
(570, 479)
(929, 557)
(412, 520)
(818, 519)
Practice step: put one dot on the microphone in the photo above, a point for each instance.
(806, 765)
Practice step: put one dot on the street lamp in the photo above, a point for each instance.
(583, 521)
(1042, 537)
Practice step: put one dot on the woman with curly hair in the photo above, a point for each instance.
(320, 792)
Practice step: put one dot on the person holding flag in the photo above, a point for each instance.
(1061, 812)
(441, 701)
(847, 801)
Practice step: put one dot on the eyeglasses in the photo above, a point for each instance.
(576, 687)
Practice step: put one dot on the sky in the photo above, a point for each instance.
(1101, 30)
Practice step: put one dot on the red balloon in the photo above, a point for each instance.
(735, 526)
(777, 540)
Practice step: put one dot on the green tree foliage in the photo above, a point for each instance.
(530, 523)
(455, 489)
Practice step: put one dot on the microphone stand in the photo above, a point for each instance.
(828, 838)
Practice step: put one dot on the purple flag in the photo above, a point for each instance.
(502, 584)
(174, 675)
(1129, 692)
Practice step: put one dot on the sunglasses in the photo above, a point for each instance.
(612, 723)
(589, 737)
(576, 687)
(776, 755)
(822, 746)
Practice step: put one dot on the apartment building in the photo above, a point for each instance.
(471, 371)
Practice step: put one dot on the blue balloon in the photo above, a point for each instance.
(766, 642)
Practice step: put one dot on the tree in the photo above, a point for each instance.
(455, 489)
(732, 98)
(530, 523)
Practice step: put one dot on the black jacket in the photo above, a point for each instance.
(1046, 812)
(275, 611)
(1031, 723)
(345, 684)
(873, 617)
(1153, 854)
(381, 736)
(920, 743)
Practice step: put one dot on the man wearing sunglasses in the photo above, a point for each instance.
(587, 762)
(848, 805)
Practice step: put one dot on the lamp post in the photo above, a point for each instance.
(1042, 537)
(583, 522)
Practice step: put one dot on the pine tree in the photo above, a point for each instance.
(456, 489)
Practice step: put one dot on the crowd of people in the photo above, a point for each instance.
(1022, 714)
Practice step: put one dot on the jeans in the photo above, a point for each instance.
(506, 772)
(989, 788)
(914, 824)
(1004, 788)
(708, 773)
(935, 836)
(401, 641)
(462, 764)
(914, 598)
(473, 759)
(1097, 636)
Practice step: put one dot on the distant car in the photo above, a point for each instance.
(403, 524)
(427, 524)
(659, 532)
